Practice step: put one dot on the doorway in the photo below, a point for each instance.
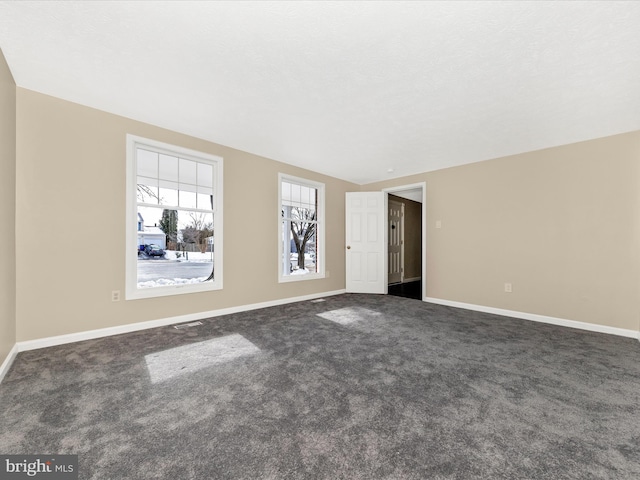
(366, 241)
(406, 241)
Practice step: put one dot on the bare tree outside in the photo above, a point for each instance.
(303, 229)
(145, 192)
(198, 232)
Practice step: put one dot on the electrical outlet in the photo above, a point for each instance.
(508, 288)
(327, 274)
(115, 296)
(438, 223)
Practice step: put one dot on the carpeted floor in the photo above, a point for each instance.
(353, 387)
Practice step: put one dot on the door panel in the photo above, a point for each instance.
(396, 241)
(365, 242)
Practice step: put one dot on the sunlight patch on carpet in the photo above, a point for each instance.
(191, 358)
(348, 315)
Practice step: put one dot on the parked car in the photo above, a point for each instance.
(153, 251)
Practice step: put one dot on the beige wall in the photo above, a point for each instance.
(70, 193)
(412, 237)
(561, 224)
(7, 209)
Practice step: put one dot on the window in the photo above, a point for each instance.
(300, 229)
(174, 220)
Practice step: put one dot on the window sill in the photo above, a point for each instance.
(140, 293)
(301, 278)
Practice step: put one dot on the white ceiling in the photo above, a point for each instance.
(350, 89)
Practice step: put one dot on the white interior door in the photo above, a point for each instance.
(366, 242)
(395, 221)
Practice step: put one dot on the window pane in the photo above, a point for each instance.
(310, 199)
(311, 254)
(299, 228)
(205, 175)
(168, 193)
(147, 190)
(300, 254)
(187, 171)
(205, 201)
(286, 193)
(295, 195)
(305, 193)
(168, 168)
(147, 163)
(175, 247)
(173, 220)
(149, 216)
(187, 199)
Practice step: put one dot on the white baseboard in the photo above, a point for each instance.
(6, 365)
(134, 327)
(411, 279)
(593, 327)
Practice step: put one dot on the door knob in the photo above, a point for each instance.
(348, 247)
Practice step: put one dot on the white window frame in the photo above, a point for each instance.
(320, 234)
(132, 292)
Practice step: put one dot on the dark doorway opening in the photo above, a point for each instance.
(405, 263)
(407, 290)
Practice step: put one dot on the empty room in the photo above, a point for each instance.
(320, 240)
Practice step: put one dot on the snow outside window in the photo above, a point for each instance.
(174, 220)
(300, 229)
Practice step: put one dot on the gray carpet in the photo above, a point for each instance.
(354, 387)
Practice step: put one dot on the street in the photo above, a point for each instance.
(150, 270)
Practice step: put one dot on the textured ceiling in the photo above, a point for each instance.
(350, 89)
